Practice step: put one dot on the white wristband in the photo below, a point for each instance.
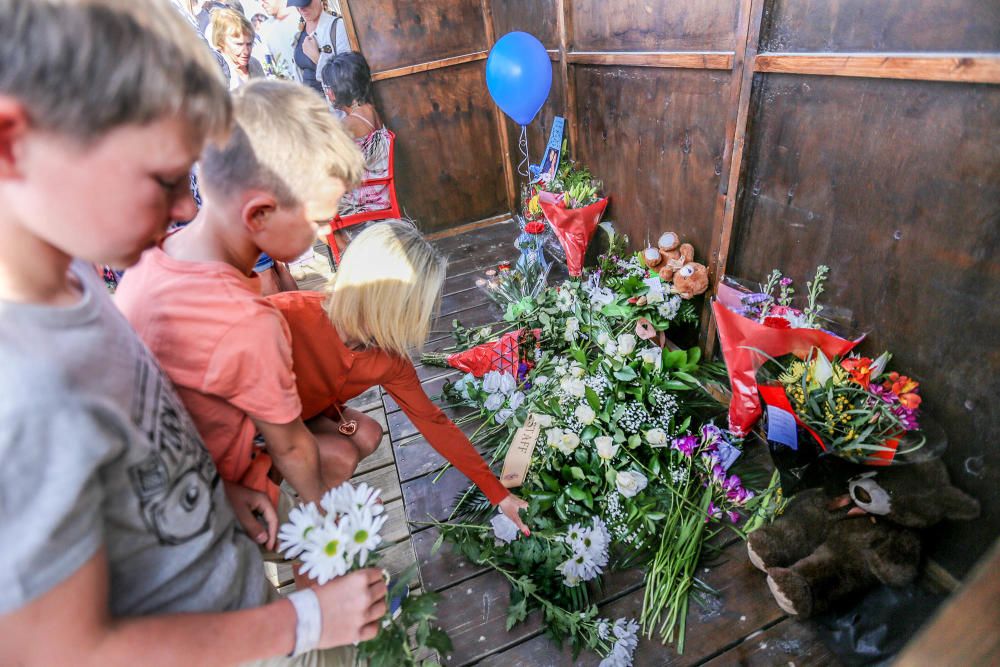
(309, 620)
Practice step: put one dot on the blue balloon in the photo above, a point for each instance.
(519, 75)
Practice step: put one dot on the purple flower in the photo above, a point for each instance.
(713, 512)
(755, 298)
(734, 517)
(710, 436)
(710, 460)
(686, 444)
(733, 482)
(785, 282)
(718, 473)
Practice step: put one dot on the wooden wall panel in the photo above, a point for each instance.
(653, 25)
(448, 160)
(394, 33)
(535, 16)
(655, 137)
(896, 186)
(885, 25)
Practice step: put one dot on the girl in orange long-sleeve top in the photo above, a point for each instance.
(357, 335)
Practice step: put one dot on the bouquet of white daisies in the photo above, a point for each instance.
(342, 535)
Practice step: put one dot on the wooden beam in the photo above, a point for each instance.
(352, 33)
(428, 66)
(749, 27)
(683, 59)
(472, 226)
(501, 122)
(565, 26)
(957, 67)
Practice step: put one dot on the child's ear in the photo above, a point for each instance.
(257, 212)
(13, 127)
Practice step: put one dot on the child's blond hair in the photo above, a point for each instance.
(84, 67)
(387, 288)
(284, 141)
(229, 23)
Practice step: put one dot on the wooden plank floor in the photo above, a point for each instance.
(744, 628)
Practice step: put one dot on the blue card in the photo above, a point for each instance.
(727, 455)
(781, 427)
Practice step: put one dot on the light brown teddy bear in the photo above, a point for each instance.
(691, 280)
(669, 255)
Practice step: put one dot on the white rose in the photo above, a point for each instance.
(651, 355)
(545, 421)
(553, 437)
(573, 387)
(606, 447)
(504, 529)
(610, 348)
(502, 416)
(515, 400)
(656, 437)
(585, 414)
(494, 401)
(572, 328)
(630, 483)
(626, 343)
(576, 370)
(491, 382)
(603, 338)
(507, 383)
(568, 443)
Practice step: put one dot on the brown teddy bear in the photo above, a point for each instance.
(690, 280)
(669, 255)
(821, 551)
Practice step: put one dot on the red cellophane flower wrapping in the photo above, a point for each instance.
(574, 227)
(737, 334)
(501, 355)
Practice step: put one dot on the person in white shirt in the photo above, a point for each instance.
(279, 33)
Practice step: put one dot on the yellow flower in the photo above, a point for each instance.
(534, 207)
(793, 373)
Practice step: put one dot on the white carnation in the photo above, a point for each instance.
(585, 414)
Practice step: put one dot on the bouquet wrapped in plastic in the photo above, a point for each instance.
(754, 326)
(574, 227)
(848, 408)
(502, 355)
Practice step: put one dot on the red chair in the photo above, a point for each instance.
(388, 213)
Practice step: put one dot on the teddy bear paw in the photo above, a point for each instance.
(790, 590)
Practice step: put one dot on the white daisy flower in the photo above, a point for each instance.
(294, 535)
(362, 531)
(326, 555)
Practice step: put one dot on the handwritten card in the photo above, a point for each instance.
(518, 459)
(781, 427)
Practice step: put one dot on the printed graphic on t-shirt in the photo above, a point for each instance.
(176, 481)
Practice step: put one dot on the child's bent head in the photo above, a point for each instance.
(288, 148)
(104, 105)
(387, 288)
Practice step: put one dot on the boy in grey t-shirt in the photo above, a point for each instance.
(114, 517)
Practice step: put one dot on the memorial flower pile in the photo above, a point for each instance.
(342, 535)
(627, 469)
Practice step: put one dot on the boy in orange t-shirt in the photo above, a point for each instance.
(198, 306)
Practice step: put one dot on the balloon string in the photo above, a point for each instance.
(522, 145)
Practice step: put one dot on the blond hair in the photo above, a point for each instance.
(229, 23)
(84, 67)
(284, 141)
(387, 288)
